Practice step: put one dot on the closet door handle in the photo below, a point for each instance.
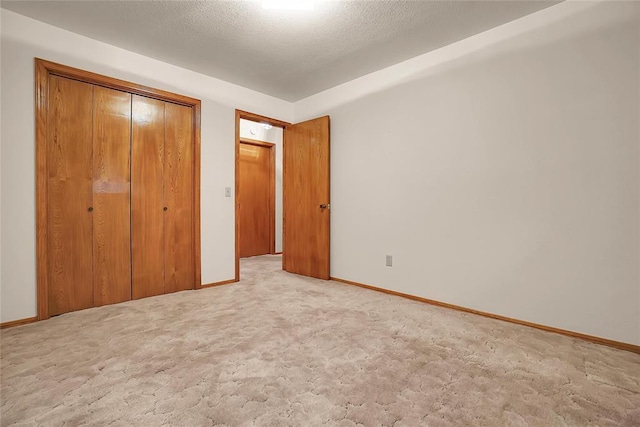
(165, 208)
(90, 208)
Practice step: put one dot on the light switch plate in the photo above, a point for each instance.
(227, 191)
(389, 260)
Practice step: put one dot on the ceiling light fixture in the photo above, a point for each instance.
(288, 4)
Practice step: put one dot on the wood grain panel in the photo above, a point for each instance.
(111, 196)
(69, 151)
(305, 189)
(42, 179)
(196, 195)
(272, 189)
(255, 216)
(178, 195)
(147, 216)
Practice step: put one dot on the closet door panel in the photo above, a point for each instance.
(111, 196)
(69, 181)
(178, 193)
(147, 243)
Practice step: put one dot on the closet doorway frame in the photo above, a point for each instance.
(44, 69)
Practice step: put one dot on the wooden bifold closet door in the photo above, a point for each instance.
(111, 196)
(147, 215)
(70, 181)
(117, 192)
(88, 155)
(178, 186)
(162, 195)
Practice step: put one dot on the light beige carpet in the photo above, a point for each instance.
(278, 349)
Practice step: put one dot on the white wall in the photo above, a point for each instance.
(22, 40)
(275, 136)
(502, 172)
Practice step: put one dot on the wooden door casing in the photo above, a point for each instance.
(256, 198)
(111, 196)
(69, 151)
(178, 199)
(305, 190)
(147, 196)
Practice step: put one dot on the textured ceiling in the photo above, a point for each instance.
(290, 54)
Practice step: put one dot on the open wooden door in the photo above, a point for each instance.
(306, 198)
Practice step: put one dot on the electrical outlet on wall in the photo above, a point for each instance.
(389, 260)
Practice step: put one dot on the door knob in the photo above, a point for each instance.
(90, 208)
(165, 208)
(325, 206)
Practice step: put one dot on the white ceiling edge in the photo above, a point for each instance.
(322, 102)
(55, 42)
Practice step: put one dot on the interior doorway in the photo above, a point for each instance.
(303, 177)
(259, 218)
